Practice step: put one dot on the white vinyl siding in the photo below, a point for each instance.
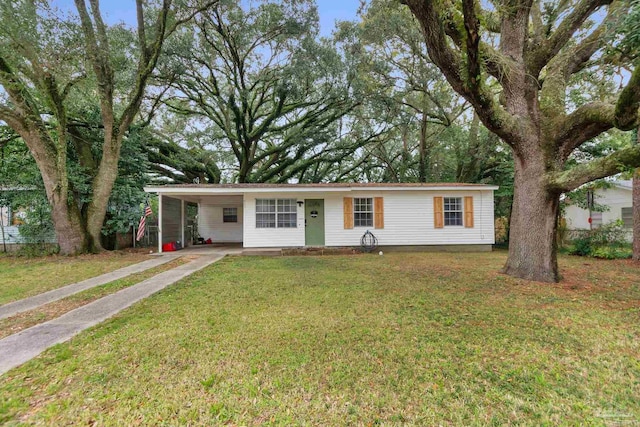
(408, 220)
(255, 237)
(615, 198)
(211, 223)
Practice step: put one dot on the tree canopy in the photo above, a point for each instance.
(541, 76)
(57, 70)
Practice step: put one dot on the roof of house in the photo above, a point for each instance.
(626, 184)
(342, 186)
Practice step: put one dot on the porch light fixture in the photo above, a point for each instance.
(300, 203)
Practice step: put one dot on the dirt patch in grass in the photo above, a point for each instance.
(27, 319)
(402, 339)
(24, 277)
(320, 251)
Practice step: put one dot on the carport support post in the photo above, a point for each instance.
(182, 222)
(159, 222)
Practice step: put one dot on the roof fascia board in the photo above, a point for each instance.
(205, 191)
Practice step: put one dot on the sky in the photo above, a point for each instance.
(124, 10)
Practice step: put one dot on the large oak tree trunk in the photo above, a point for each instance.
(532, 242)
(422, 165)
(101, 189)
(71, 234)
(67, 220)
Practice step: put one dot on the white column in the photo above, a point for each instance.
(159, 222)
(182, 223)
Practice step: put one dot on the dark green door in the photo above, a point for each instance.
(314, 222)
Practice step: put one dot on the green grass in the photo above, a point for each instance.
(415, 339)
(23, 320)
(24, 277)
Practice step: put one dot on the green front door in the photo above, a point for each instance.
(314, 222)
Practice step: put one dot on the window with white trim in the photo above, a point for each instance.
(287, 213)
(362, 212)
(265, 213)
(276, 213)
(453, 212)
(229, 214)
(626, 214)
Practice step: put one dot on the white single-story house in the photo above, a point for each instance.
(617, 198)
(330, 215)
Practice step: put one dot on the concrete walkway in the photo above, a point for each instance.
(36, 301)
(25, 345)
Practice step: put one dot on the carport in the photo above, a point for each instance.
(219, 216)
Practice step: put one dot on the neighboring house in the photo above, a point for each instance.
(618, 202)
(307, 215)
(11, 220)
(9, 225)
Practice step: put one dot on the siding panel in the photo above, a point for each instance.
(408, 220)
(615, 198)
(211, 224)
(274, 237)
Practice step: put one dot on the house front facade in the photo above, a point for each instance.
(331, 215)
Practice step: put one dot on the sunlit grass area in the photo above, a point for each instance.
(416, 339)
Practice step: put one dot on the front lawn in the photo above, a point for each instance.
(22, 277)
(26, 319)
(417, 339)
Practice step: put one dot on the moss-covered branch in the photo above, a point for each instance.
(614, 163)
(588, 121)
(461, 71)
(626, 117)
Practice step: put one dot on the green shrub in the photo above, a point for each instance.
(611, 253)
(607, 241)
(581, 246)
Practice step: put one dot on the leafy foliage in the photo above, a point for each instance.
(585, 198)
(403, 94)
(607, 241)
(21, 189)
(263, 87)
(64, 76)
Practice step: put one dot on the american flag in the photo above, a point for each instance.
(143, 222)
